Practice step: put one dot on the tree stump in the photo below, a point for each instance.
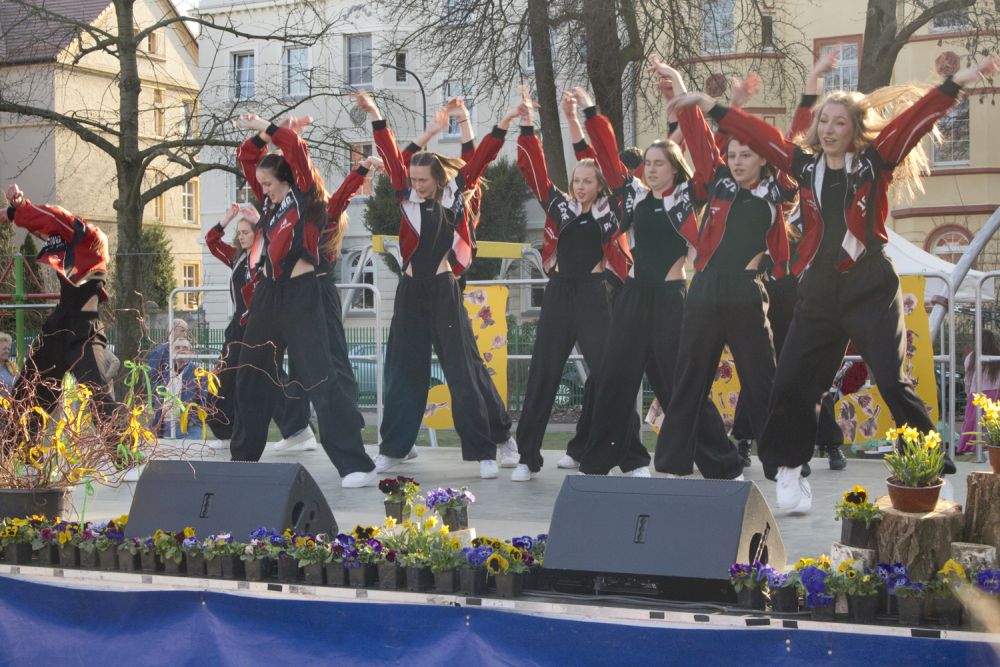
(921, 542)
(840, 553)
(974, 557)
(982, 518)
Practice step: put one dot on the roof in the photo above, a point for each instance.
(28, 36)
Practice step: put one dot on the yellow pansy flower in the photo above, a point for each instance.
(189, 532)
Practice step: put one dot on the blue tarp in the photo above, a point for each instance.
(43, 624)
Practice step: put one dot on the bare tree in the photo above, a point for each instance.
(111, 123)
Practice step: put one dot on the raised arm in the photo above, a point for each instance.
(385, 143)
(701, 144)
(341, 199)
(223, 251)
(531, 160)
(458, 112)
(487, 151)
(43, 220)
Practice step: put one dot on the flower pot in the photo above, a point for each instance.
(948, 610)
(446, 582)
(362, 577)
(88, 559)
(994, 457)
(150, 562)
(336, 574)
(128, 562)
(17, 554)
(258, 569)
(886, 602)
(69, 555)
(195, 564)
(862, 608)
(823, 612)
(232, 567)
(173, 567)
(419, 579)
(397, 510)
(51, 503)
(854, 533)
(456, 519)
(472, 582)
(508, 584)
(48, 555)
(910, 609)
(750, 599)
(107, 559)
(314, 574)
(288, 569)
(785, 600)
(213, 567)
(391, 576)
(916, 499)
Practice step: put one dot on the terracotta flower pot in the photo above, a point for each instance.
(994, 458)
(854, 533)
(916, 499)
(391, 576)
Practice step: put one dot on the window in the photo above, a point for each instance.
(531, 297)
(954, 146)
(458, 89)
(191, 277)
(189, 122)
(243, 76)
(400, 67)
(154, 43)
(160, 202)
(189, 202)
(457, 12)
(359, 60)
(159, 112)
(717, 32)
(845, 75)
(360, 152)
(295, 70)
(949, 242)
(767, 33)
(953, 21)
(244, 193)
(363, 299)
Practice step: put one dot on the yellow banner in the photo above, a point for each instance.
(487, 308)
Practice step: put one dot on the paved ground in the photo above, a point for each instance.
(504, 509)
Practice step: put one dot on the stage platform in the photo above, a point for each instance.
(505, 509)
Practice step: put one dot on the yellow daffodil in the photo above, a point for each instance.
(430, 522)
(390, 522)
(444, 529)
(420, 511)
(951, 567)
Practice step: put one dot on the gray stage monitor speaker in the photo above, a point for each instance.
(681, 534)
(227, 497)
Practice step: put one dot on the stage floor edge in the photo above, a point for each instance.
(231, 622)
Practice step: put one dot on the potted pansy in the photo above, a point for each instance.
(943, 585)
(368, 552)
(909, 594)
(812, 581)
(312, 553)
(989, 422)
(749, 581)
(782, 589)
(99, 546)
(167, 547)
(452, 505)
(222, 556)
(915, 481)
(859, 516)
(400, 492)
(445, 557)
(46, 543)
(391, 576)
(277, 550)
(861, 587)
(130, 554)
(342, 550)
(510, 582)
(194, 556)
(16, 536)
(534, 549)
(69, 553)
(256, 554)
(472, 571)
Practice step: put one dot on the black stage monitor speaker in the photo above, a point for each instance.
(223, 497)
(677, 535)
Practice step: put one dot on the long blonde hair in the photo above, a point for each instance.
(870, 114)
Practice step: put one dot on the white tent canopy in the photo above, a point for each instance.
(910, 259)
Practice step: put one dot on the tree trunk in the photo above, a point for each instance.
(604, 65)
(982, 514)
(545, 81)
(128, 207)
(878, 57)
(921, 542)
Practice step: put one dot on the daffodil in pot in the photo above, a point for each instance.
(915, 481)
(859, 516)
(989, 423)
(446, 556)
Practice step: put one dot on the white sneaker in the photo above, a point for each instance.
(488, 469)
(793, 490)
(217, 444)
(303, 441)
(412, 454)
(356, 480)
(567, 462)
(641, 471)
(670, 475)
(739, 478)
(806, 502)
(384, 463)
(509, 456)
(521, 473)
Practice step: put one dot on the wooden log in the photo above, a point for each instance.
(921, 542)
(840, 553)
(974, 557)
(982, 516)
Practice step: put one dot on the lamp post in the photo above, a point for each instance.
(423, 95)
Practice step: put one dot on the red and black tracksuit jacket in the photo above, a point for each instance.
(453, 199)
(870, 172)
(74, 248)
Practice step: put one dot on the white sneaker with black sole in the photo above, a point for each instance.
(357, 480)
(385, 463)
(793, 491)
(303, 441)
(521, 473)
(488, 469)
(567, 462)
(509, 456)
